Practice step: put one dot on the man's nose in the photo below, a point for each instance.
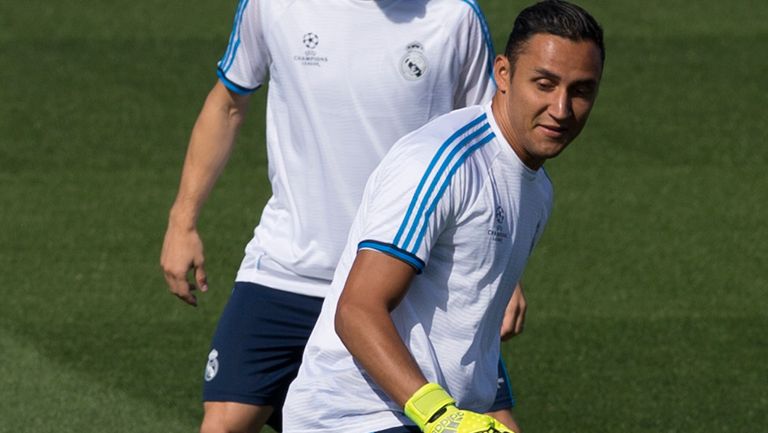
(560, 108)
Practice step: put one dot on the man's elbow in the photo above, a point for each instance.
(346, 320)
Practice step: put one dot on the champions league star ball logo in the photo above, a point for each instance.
(212, 367)
(310, 57)
(311, 40)
(497, 232)
(413, 65)
(499, 215)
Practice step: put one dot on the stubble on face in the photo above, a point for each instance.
(543, 104)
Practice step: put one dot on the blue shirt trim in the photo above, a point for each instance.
(236, 88)
(423, 220)
(486, 34)
(234, 38)
(447, 182)
(393, 251)
(417, 193)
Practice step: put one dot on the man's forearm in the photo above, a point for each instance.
(375, 286)
(371, 337)
(210, 145)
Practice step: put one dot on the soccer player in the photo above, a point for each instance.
(347, 78)
(408, 337)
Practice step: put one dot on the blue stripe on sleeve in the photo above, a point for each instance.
(447, 181)
(486, 34)
(416, 195)
(228, 64)
(393, 251)
(417, 218)
(234, 38)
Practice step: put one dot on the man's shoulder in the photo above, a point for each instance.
(276, 9)
(457, 12)
(457, 8)
(441, 146)
(454, 123)
(446, 130)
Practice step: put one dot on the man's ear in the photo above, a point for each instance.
(502, 73)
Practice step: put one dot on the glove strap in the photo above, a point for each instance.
(425, 402)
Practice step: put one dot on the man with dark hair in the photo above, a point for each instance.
(346, 79)
(557, 18)
(408, 337)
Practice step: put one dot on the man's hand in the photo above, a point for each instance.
(433, 410)
(514, 315)
(182, 251)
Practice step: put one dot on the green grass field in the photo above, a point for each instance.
(648, 293)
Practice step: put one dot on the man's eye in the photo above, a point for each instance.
(545, 85)
(583, 92)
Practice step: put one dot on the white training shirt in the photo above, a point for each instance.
(454, 201)
(347, 79)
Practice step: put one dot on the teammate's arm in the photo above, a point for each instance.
(514, 314)
(210, 145)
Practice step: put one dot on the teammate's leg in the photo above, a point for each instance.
(255, 354)
(231, 417)
(505, 400)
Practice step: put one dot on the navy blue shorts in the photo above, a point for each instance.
(257, 349)
(505, 397)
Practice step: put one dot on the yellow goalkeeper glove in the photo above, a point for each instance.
(434, 411)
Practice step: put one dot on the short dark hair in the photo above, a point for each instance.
(556, 17)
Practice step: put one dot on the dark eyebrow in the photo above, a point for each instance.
(589, 83)
(554, 77)
(547, 73)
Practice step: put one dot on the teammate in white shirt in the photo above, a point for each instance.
(347, 78)
(408, 337)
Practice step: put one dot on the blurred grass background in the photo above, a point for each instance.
(648, 293)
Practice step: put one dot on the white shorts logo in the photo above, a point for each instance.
(212, 367)
(413, 65)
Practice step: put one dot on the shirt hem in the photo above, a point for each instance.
(300, 287)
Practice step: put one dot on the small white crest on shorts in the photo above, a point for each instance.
(212, 367)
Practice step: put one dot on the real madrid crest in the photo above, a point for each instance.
(212, 367)
(413, 65)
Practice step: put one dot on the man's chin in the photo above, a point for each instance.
(550, 150)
